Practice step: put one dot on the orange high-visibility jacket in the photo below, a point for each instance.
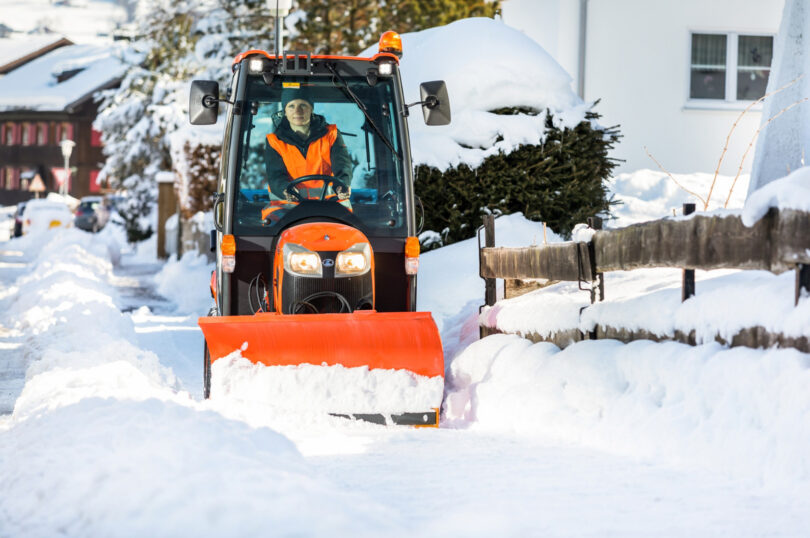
(317, 161)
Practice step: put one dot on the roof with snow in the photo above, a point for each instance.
(62, 79)
(17, 52)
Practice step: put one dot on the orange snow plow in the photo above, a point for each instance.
(317, 254)
(386, 340)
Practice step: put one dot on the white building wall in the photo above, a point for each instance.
(554, 24)
(637, 62)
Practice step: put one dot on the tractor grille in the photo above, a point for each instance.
(356, 290)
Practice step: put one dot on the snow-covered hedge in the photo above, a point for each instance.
(520, 139)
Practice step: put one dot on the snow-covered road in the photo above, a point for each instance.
(109, 437)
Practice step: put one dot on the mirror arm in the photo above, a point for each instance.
(431, 102)
(209, 101)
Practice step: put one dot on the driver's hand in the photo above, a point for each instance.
(289, 197)
(343, 193)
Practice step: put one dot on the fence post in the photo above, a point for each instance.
(595, 223)
(688, 286)
(489, 241)
(802, 280)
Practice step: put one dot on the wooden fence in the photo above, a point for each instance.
(778, 242)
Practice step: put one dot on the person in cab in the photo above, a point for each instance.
(305, 144)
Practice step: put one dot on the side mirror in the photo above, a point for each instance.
(435, 103)
(203, 102)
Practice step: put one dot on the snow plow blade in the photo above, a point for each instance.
(377, 340)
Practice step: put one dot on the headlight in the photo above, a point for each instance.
(301, 261)
(353, 261)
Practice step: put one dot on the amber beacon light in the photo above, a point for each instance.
(391, 42)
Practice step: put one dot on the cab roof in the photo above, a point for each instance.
(378, 56)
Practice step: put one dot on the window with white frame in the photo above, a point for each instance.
(730, 67)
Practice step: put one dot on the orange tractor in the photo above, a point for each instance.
(322, 270)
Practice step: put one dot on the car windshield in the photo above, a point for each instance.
(88, 206)
(370, 164)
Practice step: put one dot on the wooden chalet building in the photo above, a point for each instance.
(49, 99)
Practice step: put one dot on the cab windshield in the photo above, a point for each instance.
(343, 168)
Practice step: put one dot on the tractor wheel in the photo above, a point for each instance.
(206, 372)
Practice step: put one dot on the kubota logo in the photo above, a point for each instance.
(327, 262)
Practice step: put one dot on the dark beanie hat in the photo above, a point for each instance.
(291, 94)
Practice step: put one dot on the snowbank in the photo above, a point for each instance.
(740, 411)
(448, 277)
(476, 57)
(790, 192)
(103, 441)
(186, 282)
(649, 195)
(650, 299)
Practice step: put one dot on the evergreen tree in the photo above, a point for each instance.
(337, 26)
(350, 26)
(414, 15)
(178, 40)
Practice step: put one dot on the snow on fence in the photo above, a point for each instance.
(778, 242)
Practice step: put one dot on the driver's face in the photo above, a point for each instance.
(298, 112)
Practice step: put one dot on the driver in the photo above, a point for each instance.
(304, 144)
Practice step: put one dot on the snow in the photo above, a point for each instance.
(186, 282)
(476, 58)
(649, 195)
(735, 410)
(790, 192)
(34, 85)
(700, 440)
(14, 49)
(784, 140)
(650, 299)
(328, 389)
(108, 434)
(82, 21)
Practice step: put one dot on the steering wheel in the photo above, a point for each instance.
(291, 188)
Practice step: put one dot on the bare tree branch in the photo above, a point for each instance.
(699, 197)
(751, 144)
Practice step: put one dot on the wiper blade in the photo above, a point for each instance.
(362, 108)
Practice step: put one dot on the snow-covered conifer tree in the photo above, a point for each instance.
(784, 143)
(178, 41)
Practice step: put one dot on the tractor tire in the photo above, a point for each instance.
(206, 372)
(207, 362)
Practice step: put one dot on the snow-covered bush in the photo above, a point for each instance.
(520, 139)
(560, 181)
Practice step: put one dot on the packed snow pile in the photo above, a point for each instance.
(740, 411)
(448, 277)
(477, 59)
(650, 299)
(790, 192)
(186, 282)
(650, 195)
(330, 389)
(139, 449)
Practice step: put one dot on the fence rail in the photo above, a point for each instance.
(778, 242)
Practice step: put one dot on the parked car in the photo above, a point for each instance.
(18, 219)
(45, 214)
(92, 214)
